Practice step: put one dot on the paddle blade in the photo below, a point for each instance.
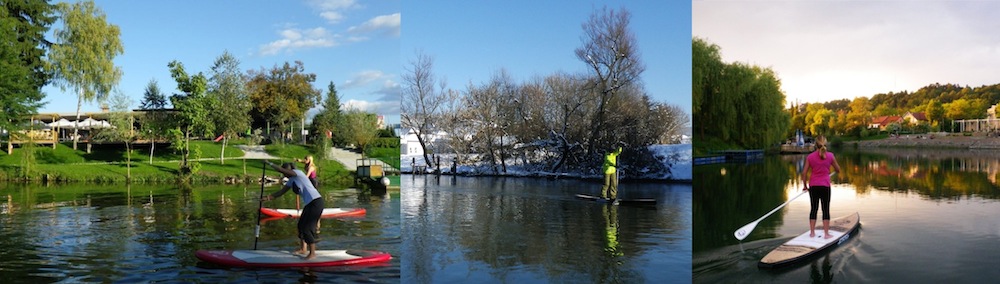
(744, 231)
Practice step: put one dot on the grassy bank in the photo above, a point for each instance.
(330, 172)
(106, 164)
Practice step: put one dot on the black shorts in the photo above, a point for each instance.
(307, 222)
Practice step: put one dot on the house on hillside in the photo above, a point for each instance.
(915, 118)
(882, 122)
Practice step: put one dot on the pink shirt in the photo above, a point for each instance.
(820, 175)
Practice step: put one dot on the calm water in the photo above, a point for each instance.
(85, 233)
(927, 216)
(527, 230)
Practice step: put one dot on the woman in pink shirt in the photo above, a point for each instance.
(816, 177)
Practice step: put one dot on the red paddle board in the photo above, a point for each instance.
(327, 212)
(271, 258)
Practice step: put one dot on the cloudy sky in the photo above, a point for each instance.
(352, 43)
(826, 50)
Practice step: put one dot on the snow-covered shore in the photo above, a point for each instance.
(677, 157)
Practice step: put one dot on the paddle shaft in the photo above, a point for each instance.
(260, 204)
(744, 231)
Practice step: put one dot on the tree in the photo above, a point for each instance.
(281, 95)
(362, 128)
(152, 98)
(227, 89)
(421, 105)
(326, 124)
(83, 56)
(156, 120)
(610, 50)
(122, 127)
(193, 107)
(935, 111)
(23, 25)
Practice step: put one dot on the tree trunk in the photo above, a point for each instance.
(423, 146)
(128, 162)
(222, 157)
(152, 145)
(76, 124)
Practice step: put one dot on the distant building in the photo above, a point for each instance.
(409, 145)
(915, 118)
(882, 122)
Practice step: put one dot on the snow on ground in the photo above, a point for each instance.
(677, 156)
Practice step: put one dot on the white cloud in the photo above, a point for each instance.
(384, 24)
(293, 39)
(332, 10)
(378, 107)
(364, 78)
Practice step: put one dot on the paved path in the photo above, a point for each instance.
(350, 159)
(255, 152)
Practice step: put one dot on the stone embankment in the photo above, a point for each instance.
(933, 141)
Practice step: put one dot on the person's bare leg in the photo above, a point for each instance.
(826, 229)
(312, 251)
(302, 250)
(812, 228)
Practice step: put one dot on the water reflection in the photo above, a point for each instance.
(85, 233)
(523, 229)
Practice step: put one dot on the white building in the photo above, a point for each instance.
(409, 145)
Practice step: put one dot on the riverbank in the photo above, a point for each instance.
(106, 165)
(930, 141)
(675, 165)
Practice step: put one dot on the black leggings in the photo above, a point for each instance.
(816, 195)
(307, 222)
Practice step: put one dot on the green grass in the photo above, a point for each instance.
(705, 147)
(388, 155)
(106, 164)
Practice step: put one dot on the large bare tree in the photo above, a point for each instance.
(610, 50)
(421, 105)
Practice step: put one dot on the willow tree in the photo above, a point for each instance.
(361, 127)
(83, 55)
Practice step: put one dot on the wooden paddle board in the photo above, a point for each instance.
(803, 246)
(620, 201)
(327, 212)
(271, 258)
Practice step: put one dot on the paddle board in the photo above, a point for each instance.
(803, 246)
(620, 201)
(327, 212)
(271, 258)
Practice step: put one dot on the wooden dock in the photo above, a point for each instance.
(796, 149)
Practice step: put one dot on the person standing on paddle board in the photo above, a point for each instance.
(300, 184)
(310, 169)
(610, 189)
(816, 177)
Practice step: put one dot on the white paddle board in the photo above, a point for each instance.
(804, 246)
(327, 212)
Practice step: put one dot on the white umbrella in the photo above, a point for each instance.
(62, 123)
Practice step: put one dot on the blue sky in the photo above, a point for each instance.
(353, 43)
(471, 40)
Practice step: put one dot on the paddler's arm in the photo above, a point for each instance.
(281, 192)
(836, 167)
(805, 176)
(283, 171)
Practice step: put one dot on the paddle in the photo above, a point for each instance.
(744, 231)
(260, 204)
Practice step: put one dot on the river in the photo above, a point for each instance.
(927, 216)
(95, 234)
(533, 230)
